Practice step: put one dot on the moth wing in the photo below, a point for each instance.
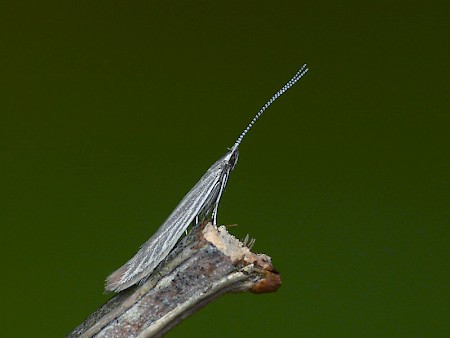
(163, 241)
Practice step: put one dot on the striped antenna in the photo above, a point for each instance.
(302, 71)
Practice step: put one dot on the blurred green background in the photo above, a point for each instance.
(111, 111)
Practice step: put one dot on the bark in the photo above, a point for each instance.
(204, 265)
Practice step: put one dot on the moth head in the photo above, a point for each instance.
(227, 162)
(231, 157)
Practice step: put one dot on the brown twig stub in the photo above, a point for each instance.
(206, 264)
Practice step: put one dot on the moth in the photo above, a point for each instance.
(200, 203)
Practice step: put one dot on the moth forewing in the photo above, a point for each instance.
(200, 200)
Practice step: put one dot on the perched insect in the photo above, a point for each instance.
(200, 203)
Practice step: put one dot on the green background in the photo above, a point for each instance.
(111, 111)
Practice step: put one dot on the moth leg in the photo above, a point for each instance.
(223, 183)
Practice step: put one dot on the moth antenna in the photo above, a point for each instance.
(302, 71)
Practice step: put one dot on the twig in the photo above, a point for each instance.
(206, 264)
